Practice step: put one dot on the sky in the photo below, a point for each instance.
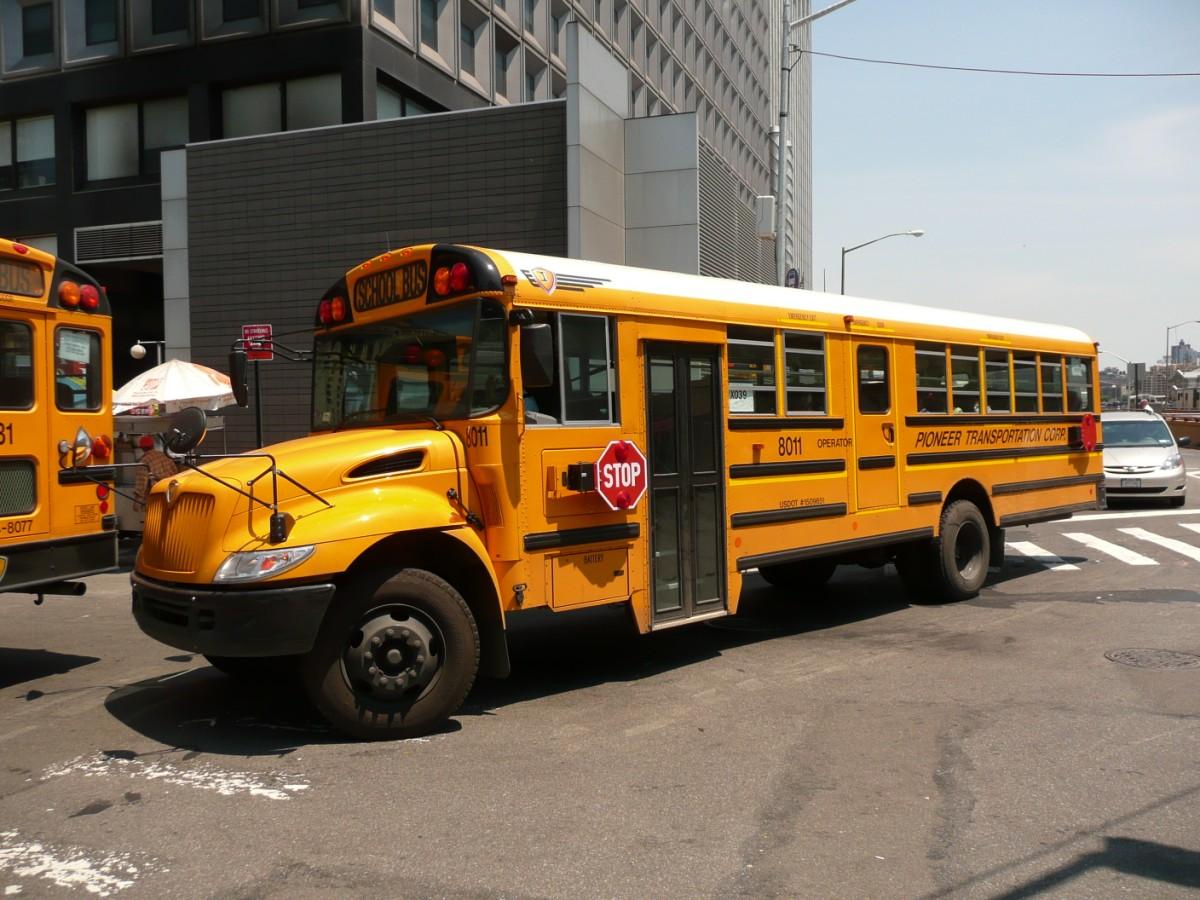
(1067, 200)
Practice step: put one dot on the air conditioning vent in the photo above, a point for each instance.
(109, 243)
(389, 465)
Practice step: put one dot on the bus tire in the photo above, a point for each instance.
(394, 658)
(961, 553)
(261, 670)
(803, 575)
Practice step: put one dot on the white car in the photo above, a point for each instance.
(1142, 459)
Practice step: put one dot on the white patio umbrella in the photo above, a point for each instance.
(174, 385)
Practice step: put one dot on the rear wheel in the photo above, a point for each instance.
(799, 576)
(953, 565)
(395, 657)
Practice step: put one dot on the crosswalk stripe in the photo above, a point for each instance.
(1190, 525)
(1114, 550)
(1181, 547)
(1046, 558)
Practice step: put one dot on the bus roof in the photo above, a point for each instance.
(573, 272)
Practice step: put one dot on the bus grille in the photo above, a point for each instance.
(175, 535)
(18, 487)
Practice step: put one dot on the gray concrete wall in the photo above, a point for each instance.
(597, 106)
(662, 215)
(273, 221)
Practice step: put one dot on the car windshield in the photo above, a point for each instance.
(436, 364)
(1150, 433)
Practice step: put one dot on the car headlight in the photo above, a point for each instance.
(255, 565)
(1172, 462)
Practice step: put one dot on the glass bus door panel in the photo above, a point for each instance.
(25, 450)
(686, 487)
(876, 466)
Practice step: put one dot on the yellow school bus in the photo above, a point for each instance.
(55, 424)
(496, 431)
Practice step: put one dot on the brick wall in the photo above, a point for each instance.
(274, 221)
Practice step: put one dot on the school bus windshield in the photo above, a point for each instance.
(442, 363)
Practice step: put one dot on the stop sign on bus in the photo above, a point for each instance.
(621, 475)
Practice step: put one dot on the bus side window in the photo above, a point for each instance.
(999, 390)
(585, 374)
(1025, 381)
(964, 369)
(78, 372)
(751, 359)
(1079, 384)
(804, 372)
(1052, 384)
(931, 378)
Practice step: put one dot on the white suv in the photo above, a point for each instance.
(1142, 459)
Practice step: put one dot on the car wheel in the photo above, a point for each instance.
(395, 656)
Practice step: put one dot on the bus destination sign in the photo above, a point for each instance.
(406, 282)
(21, 278)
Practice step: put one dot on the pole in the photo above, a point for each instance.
(843, 270)
(258, 418)
(781, 149)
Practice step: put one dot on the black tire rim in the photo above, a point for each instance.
(968, 551)
(394, 655)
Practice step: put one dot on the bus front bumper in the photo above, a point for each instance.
(270, 622)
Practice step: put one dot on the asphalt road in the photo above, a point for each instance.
(1040, 740)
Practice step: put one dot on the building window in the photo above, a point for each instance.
(167, 16)
(125, 141)
(288, 106)
(429, 23)
(100, 21)
(474, 47)
(505, 72)
(234, 10)
(394, 103)
(37, 30)
(395, 17)
(30, 143)
(535, 76)
(467, 41)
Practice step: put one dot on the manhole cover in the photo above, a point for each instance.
(1154, 659)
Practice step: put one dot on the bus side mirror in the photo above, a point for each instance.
(188, 427)
(237, 376)
(537, 355)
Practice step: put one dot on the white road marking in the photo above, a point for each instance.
(68, 867)
(1192, 525)
(1181, 547)
(202, 776)
(1136, 514)
(1114, 550)
(1045, 557)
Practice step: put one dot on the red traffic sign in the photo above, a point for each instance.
(257, 341)
(621, 475)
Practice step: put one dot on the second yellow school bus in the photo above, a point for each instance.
(462, 398)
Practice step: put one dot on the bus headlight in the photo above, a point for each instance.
(256, 565)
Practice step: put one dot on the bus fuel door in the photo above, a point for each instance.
(580, 477)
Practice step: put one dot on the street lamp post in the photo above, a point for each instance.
(912, 232)
(781, 148)
(1136, 386)
(138, 350)
(1170, 328)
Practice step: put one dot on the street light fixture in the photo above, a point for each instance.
(781, 147)
(912, 232)
(1136, 387)
(138, 350)
(1170, 328)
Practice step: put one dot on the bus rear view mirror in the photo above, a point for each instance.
(237, 376)
(188, 427)
(537, 355)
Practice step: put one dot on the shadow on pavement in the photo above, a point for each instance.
(208, 712)
(19, 665)
(553, 653)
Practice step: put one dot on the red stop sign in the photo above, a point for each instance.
(621, 475)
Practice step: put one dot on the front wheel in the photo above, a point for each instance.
(395, 657)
